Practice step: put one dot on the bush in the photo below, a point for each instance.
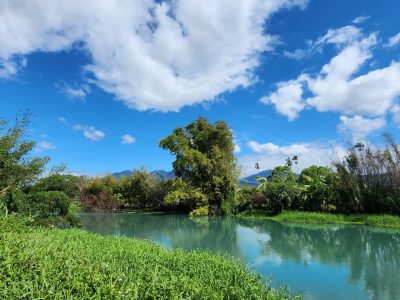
(182, 194)
(280, 190)
(142, 190)
(318, 189)
(44, 204)
(201, 211)
(67, 184)
(370, 179)
(100, 193)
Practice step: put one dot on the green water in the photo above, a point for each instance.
(319, 261)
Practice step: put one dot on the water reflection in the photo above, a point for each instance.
(322, 262)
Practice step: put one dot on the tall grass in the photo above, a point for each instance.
(74, 264)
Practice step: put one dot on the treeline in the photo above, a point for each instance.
(367, 180)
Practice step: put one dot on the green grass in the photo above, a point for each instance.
(38, 263)
(326, 218)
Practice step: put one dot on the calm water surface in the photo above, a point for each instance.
(319, 261)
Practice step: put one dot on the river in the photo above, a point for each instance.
(318, 261)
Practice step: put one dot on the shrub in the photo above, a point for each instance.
(142, 190)
(318, 189)
(280, 190)
(201, 211)
(43, 204)
(182, 194)
(68, 184)
(100, 193)
(370, 178)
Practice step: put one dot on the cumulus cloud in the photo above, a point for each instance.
(78, 92)
(44, 146)
(270, 155)
(150, 54)
(90, 132)
(127, 139)
(393, 41)
(339, 86)
(287, 99)
(358, 127)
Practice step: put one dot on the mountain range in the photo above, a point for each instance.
(165, 175)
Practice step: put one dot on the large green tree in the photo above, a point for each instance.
(205, 160)
(17, 166)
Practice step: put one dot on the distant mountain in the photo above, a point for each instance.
(122, 174)
(165, 175)
(158, 174)
(252, 179)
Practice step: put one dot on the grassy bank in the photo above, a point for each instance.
(37, 263)
(327, 218)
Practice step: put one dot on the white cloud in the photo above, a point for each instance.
(237, 147)
(44, 146)
(90, 132)
(149, 54)
(297, 54)
(339, 36)
(270, 155)
(287, 99)
(395, 110)
(9, 68)
(79, 92)
(393, 41)
(360, 19)
(62, 119)
(339, 86)
(358, 127)
(127, 139)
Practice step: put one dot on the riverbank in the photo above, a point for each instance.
(75, 264)
(326, 218)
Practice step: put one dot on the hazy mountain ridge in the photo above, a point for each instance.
(158, 174)
(165, 175)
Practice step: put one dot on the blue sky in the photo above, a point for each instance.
(106, 80)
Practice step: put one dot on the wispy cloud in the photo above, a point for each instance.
(360, 19)
(89, 132)
(393, 41)
(127, 139)
(73, 92)
(44, 146)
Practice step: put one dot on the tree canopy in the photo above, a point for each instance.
(17, 167)
(205, 159)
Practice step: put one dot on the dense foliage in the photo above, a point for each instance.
(17, 168)
(205, 161)
(22, 191)
(366, 181)
(73, 264)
